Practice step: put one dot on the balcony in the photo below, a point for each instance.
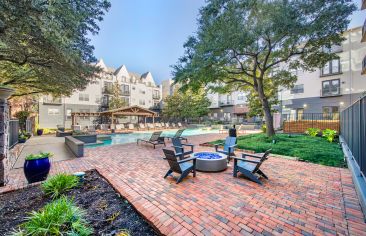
(107, 90)
(330, 93)
(125, 93)
(52, 101)
(226, 103)
(156, 96)
(363, 72)
(363, 6)
(363, 39)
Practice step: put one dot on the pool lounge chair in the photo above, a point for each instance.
(182, 167)
(180, 125)
(131, 126)
(142, 126)
(157, 125)
(155, 139)
(179, 148)
(167, 125)
(229, 147)
(120, 127)
(150, 126)
(162, 125)
(174, 125)
(178, 134)
(250, 168)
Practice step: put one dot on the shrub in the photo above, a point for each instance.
(59, 184)
(264, 128)
(329, 134)
(22, 116)
(38, 156)
(313, 132)
(60, 217)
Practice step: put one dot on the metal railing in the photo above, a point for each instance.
(299, 123)
(227, 103)
(13, 132)
(353, 130)
(125, 93)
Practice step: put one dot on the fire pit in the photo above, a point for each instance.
(210, 161)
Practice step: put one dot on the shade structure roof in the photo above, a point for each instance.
(123, 111)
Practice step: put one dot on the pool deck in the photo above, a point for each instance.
(298, 199)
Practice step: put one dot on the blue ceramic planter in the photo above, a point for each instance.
(37, 170)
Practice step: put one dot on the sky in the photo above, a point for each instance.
(148, 35)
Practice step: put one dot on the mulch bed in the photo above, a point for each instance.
(107, 212)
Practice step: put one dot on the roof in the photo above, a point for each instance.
(137, 76)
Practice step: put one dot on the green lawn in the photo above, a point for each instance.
(311, 149)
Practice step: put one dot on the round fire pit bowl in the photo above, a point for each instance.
(210, 161)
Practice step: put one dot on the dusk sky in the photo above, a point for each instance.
(148, 35)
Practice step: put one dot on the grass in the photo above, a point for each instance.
(59, 184)
(312, 149)
(60, 217)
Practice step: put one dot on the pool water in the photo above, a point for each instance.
(132, 137)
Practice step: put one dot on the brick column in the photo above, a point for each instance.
(4, 124)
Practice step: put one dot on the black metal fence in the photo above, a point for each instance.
(299, 123)
(353, 130)
(13, 132)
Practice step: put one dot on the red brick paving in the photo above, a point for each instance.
(298, 199)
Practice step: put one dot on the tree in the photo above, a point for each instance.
(184, 105)
(116, 100)
(254, 44)
(44, 44)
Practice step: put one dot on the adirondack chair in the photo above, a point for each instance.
(183, 167)
(179, 148)
(155, 139)
(250, 168)
(229, 147)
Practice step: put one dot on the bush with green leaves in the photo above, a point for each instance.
(264, 128)
(313, 132)
(60, 217)
(329, 134)
(59, 184)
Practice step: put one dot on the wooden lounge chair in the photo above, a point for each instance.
(229, 147)
(250, 168)
(179, 148)
(183, 167)
(155, 139)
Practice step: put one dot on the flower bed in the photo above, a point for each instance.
(106, 211)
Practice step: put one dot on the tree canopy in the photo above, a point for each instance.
(116, 100)
(184, 105)
(253, 45)
(44, 44)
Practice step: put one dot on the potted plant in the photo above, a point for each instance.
(22, 138)
(39, 132)
(28, 135)
(37, 166)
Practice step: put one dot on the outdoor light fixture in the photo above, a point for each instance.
(305, 105)
(341, 103)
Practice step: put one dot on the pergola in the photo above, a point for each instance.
(123, 111)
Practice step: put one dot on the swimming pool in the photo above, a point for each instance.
(132, 137)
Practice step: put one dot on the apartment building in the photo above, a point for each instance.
(136, 89)
(363, 39)
(332, 88)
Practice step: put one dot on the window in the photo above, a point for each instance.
(97, 99)
(53, 111)
(300, 113)
(68, 114)
(83, 97)
(126, 100)
(108, 87)
(331, 88)
(298, 88)
(156, 94)
(142, 102)
(125, 89)
(241, 96)
(331, 112)
(331, 67)
(142, 91)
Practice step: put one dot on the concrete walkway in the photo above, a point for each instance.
(37, 144)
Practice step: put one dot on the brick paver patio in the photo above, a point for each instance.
(298, 199)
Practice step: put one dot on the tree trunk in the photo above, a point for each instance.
(266, 108)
